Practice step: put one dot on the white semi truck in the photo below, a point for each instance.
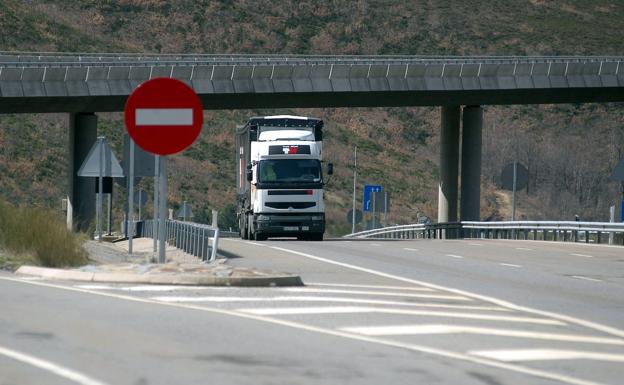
(280, 178)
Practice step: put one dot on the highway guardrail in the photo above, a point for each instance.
(593, 232)
(193, 238)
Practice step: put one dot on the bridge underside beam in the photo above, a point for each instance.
(81, 192)
(216, 101)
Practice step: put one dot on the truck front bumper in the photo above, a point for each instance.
(289, 224)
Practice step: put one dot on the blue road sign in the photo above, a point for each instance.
(368, 189)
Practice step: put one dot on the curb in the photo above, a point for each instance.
(160, 279)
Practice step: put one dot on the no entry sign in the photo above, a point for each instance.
(163, 116)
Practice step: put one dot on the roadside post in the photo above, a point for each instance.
(163, 116)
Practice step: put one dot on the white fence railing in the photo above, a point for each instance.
(196, 239)
(593, 232)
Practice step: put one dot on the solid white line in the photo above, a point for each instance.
(496, 301)
(408, 249)
(48, 366)
(363, 309)
(283, 299)
(368, 286)
(454, 256)
(586, 278)
(164, 117)
(359, 292)
(402, 330)
(523, 248)
(582, 255)
(416, 348)
(509, 264)
(546, 354)
(256, 244)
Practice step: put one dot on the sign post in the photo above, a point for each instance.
(163, 116)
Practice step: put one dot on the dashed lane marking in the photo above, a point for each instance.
(476, 244)
(336, 333)
(454, 256)
(520, 355)
(426, 313)
(524, 248)
(409, 249)
(582, 255)
(358, 292)
(375, 244)
(509, 265)
(50, 367)
(224, 299)
(402, 330)
(586, 278)
(388, 287)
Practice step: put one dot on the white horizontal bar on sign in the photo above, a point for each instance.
(164, 117)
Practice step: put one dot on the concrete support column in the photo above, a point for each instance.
(81, 192)
(470, 206)
(449, 159)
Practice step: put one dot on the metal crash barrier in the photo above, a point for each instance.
(589, 232)
(199, 240)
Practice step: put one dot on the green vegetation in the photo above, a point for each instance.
(38, 237)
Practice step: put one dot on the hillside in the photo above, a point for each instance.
(569, 149)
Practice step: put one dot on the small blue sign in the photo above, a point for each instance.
(368, 189)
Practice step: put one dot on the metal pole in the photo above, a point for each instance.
(156, 210)
(162, 176)
(131, 197)
(385, 208)
(513, 196)
(140, 194)
(354, 187)
(110, 212)
(100, 188)
(374, 195)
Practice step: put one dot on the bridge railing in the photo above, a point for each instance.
(196, 239)
(594, 232)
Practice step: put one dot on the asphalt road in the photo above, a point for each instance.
(430, 312)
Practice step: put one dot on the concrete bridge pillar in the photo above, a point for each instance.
(449, 160)
(470, 206)
(81, 192)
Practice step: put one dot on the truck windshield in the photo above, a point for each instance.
(289, 170)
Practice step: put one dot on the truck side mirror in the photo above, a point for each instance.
(330, 168)
(249, 173)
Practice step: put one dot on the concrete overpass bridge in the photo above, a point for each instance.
(82, 85)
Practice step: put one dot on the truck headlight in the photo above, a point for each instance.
(317, 217)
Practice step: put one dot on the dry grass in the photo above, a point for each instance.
(37, 236)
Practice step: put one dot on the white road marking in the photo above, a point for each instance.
(368, 286)
(224, 299)
(546, 354)
(409, 249)
(582, 255)
(476, 244)
(257, 244)
(50, 367)
(401, 330)
(496, 301)
(454, 256)
(523, 248)
(151, 288)
(417, 348)
(359, 292)
(363, 309)
(375, 244)
(164, 117)
(587, 278)
(509, 265)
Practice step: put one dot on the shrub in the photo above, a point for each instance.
(37, 236)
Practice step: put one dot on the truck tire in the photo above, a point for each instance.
(244, 231)
(259, 236)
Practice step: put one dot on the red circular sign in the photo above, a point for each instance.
(163, 116)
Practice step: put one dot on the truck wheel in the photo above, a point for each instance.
(316, 237)
(244, 232)
(259, 236)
